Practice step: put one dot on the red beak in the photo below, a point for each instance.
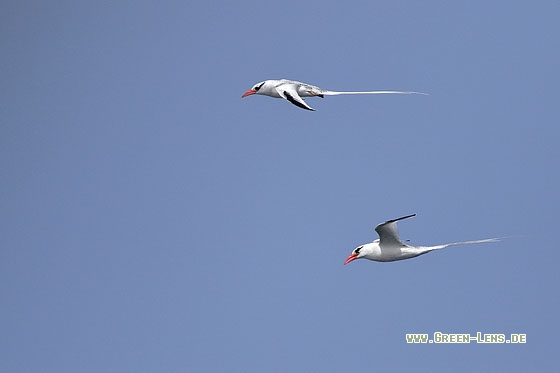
(249, 93)
(351, 258)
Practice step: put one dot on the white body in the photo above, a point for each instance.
(389, 247)
(388, 253)
(293, 91)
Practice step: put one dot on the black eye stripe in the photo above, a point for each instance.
(259, 86)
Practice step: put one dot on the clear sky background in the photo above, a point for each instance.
(154, 221)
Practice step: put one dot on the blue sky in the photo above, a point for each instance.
(152, 220)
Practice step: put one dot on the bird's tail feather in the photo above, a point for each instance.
(437, 247)
(335, 93)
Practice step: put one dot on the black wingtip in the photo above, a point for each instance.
(401, 218)
(298, 104)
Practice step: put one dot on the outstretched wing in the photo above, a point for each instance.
(389, 234)
(289, 92)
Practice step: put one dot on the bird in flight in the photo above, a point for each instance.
(293, 91)
(389, 246)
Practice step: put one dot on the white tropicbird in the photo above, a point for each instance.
(293, 91)
(389, 247)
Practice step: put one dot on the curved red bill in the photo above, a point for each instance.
(351, 258)
(249, 93)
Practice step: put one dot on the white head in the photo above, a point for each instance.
(359, 252)
(254, 90)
